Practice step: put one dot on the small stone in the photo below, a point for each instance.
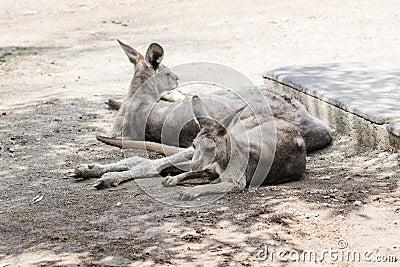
(118, 204)
(393, 157)
(381, 155)
(215, 246)
(11, 150)
(358, 203)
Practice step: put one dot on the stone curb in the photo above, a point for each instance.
(367, 109)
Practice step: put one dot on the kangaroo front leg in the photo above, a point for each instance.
(119, 121)
(177, 179)
(208, 189)
(113, 104)
(97, 170)
(206, 175)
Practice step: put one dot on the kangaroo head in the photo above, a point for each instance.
(213, 143)
(150, 65)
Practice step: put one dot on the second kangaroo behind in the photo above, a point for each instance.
(145, 115)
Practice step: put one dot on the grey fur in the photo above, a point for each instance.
(143, 114)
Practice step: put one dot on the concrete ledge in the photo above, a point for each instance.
(359, 99)
(394, 127)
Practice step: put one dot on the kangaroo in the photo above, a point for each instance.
(144, 111)
(143, 114)
(149, 81)
(275, 148)
(258, 150)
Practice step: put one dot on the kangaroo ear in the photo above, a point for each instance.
(198, 107)
(154, 55)
(231, 119)
(133, 55)
(200, 113)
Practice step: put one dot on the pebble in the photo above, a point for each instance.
(358, 203)
(393, 157)
(215, 246)
(118, 204)
(382, 155)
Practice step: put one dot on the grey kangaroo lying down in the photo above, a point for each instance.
(144, 108)
(234, 153)
(144, 111)
(271, 151)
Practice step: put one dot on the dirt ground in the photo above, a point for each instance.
(59, 61)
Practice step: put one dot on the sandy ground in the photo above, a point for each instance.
(59, 61)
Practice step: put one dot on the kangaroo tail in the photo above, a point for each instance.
(149, 146)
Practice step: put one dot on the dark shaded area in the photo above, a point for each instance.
(41, 144)
(9, 52)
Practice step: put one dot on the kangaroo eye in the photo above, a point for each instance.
(194, 146)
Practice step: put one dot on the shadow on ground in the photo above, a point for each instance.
(9, 52)
(75, 224)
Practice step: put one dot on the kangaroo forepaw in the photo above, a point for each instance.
(113, 104)
(169, 181)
